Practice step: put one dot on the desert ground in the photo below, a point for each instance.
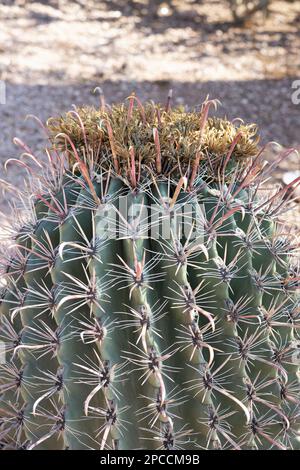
(53, 54)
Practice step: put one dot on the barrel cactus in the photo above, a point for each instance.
(149, 287)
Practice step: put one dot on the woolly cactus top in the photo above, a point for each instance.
(158, 138)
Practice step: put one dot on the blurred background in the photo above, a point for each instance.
(244, 53)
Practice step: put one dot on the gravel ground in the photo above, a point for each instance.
(53, 54)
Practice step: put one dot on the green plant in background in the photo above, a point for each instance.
(242, 10)
(149, 292)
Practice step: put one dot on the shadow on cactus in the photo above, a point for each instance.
(150, 288)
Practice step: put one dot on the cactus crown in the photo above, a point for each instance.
(160, 139)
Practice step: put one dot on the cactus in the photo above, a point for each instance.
(150, 288)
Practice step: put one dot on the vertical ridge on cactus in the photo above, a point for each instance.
(150, 288)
